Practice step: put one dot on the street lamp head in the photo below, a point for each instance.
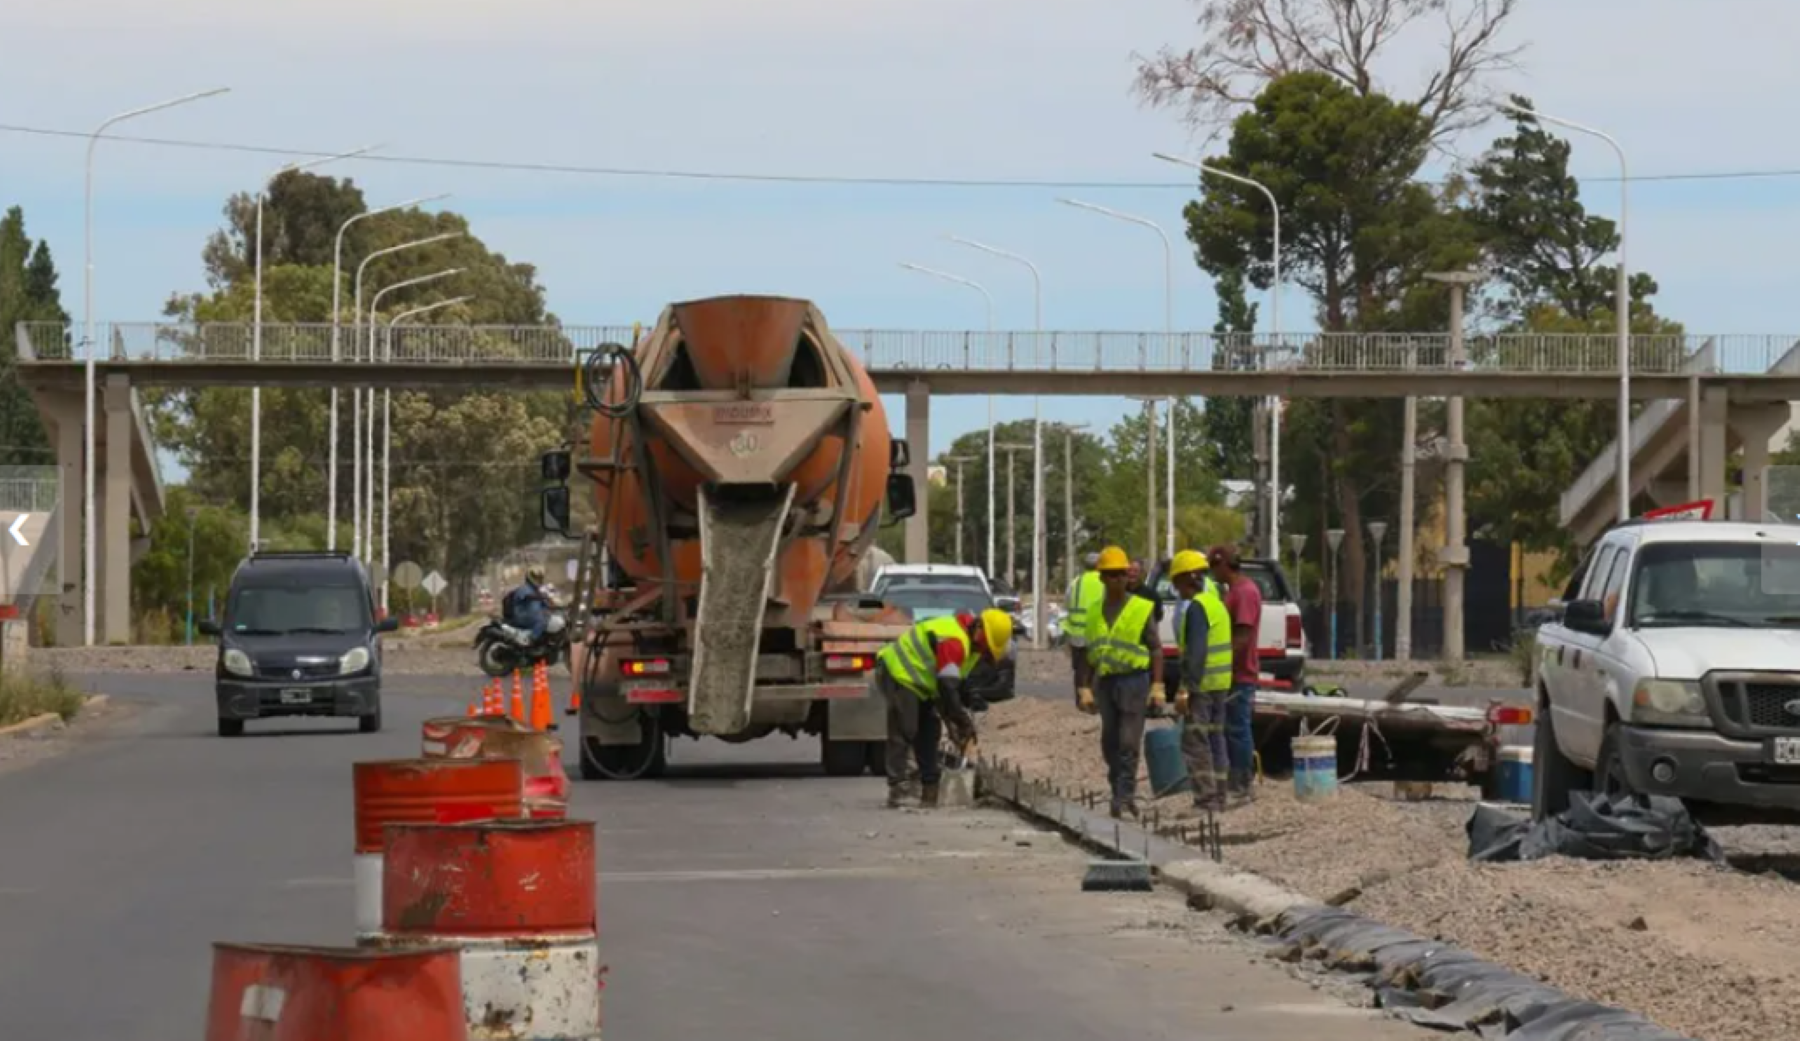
(1463, 278)
(1334, 538)
(1378, 529)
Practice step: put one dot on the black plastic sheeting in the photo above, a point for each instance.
(1435, 985)
(1594, 827)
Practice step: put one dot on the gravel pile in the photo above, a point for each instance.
(1705, 951)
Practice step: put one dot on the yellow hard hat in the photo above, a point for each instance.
(1112, 558)
(997, 626)
(1186, 562)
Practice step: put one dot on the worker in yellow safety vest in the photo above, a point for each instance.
(920, 675)
(1203, 632)
(1084, 593)
(1118, 683)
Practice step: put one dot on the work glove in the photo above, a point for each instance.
(1181, 703)
(970, 749)
(1158, 697)
(1084, 700)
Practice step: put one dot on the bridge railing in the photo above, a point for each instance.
(893, 349)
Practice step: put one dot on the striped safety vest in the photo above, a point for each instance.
(1215, 674)
(912, 662)
(1085, 595)
(1119, 648)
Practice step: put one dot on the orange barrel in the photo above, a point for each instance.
(423, 791)
(281, 993)
(519, 897)
(500, 737)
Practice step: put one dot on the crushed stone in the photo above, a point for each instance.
(1702, 950)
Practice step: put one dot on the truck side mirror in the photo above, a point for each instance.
(553, 509)
(899, 455)
(902, 497)
(554, 466)
(1585, 616)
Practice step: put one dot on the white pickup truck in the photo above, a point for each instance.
(1280, 640)
(1673, 668)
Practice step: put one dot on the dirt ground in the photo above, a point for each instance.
(1702, 950)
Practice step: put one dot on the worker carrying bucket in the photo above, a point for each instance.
(1122, 644)
(1203, 633)
(921, 676)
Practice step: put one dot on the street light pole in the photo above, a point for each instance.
(90, 565)
(356, 477)
(1334, 538)
(959, 460)
(1012, 527)
(989, 297)
(337, 280)
(1069, 499)
(256, 327)
(1376, 530)
(1621, 298)
(369, 501)
(1037, 437)
(1168, 339)
(193, 513)
(1275, 334)
(387, 433)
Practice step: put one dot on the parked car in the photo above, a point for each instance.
(1674, 669)
(298, 638)
(899, 575)
(1280, 640)
(989, 683)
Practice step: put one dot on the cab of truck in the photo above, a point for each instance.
(1673, 668)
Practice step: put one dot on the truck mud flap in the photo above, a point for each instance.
(739, 539)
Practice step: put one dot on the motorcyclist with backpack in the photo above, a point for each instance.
(528, 606)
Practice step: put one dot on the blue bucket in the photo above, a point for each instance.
(1168, 771)
(1515, 773)
(1315, 767)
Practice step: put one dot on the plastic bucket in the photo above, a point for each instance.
(1515, 773)
(1162, 753)
(1315, 766)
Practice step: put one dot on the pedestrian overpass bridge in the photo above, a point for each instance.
(1707, 394)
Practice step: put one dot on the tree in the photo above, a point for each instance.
(1248, 44)
(28, 293)
(1359, 233)
(1118, 514)
(1227, 421)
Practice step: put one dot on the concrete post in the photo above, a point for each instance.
(1409, 436)
(1756, 424)
(918, 443)
(1455, 555)
(69, 605)
(1714, 408)
(115, 516)
(1149, 482)
(1693, 441)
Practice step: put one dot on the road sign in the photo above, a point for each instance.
(19, 522)
(434, 583)
(408, 575)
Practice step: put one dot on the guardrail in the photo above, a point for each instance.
(895, 349)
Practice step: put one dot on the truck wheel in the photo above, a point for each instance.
(613, 762)
(231, 727)
(875, 753)
(1553, 776)
(842, 758)
(1609, 770)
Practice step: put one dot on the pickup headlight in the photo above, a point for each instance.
(237, 662)
(1669, 703)
(355, 661)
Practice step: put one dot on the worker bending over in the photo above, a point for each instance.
(921, 676)
(1122, 643)
(1203, 632)
(1084, 593)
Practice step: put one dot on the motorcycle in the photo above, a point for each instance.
(501, 649)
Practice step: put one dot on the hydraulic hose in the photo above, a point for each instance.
(596, 378)
(649, 727)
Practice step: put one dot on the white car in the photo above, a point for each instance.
(1674, 669)
(930, 575)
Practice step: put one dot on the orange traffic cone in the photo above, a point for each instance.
(493, 698)
(518, 697)
(574, 700)
(540, 698)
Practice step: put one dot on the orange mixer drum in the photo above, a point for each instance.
(724, 373)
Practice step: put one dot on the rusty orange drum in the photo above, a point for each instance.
(284, 993)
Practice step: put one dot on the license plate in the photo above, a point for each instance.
(304, 697)
(1785, 751)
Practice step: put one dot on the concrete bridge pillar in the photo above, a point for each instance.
(918, 442)
(1756, 424)
(65, 433)
(1710, 459)
(114, 592)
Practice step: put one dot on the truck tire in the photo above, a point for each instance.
(1609, 772)
(842, 758)
(876, 755)
(615, 762)
(231, 727)
(1553, 776)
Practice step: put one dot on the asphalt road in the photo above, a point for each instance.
(744, 896)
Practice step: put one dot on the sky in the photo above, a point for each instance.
(983, 89)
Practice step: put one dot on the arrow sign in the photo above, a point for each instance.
(17, 523)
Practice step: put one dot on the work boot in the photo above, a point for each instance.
(899, 793)
(928, 796)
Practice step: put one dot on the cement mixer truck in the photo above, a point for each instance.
(740, 463)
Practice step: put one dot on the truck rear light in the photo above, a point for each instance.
(645, 667)
(849, 662)
(1294, 637)
(1509, 716)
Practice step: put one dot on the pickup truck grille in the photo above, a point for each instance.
(1760, 707)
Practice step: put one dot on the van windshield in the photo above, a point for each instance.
(1716, 584)
(273, 610)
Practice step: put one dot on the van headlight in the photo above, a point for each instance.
(355, 661)
(237, 662)
(1669, 703)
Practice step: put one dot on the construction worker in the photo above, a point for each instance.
(1203, 632)
(921, 675)
(1122, 642)
(1243, 601)
(1084, 592)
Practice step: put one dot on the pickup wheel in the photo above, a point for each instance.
(1609, 769)
(875, 754)
(1554, 777)
(231, 727)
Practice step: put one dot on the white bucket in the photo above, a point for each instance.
(1315, 767)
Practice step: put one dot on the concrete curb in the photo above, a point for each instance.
(29, 727)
